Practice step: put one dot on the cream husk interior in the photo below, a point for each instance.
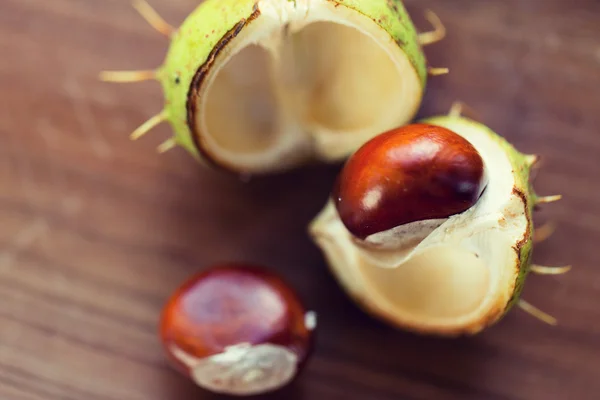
(310, 80)
(458, 276)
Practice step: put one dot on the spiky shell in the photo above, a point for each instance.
(205, 33)
(349, 259)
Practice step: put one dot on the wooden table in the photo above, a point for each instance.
(97, 231)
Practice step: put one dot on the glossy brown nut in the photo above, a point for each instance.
(237, 329)
(413, 173)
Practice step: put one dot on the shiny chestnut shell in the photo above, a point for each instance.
(412, 173)
(231, 306)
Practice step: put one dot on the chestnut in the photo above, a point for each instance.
(413, 173)
(237, 329)
(453, 275)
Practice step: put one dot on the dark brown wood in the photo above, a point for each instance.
(96, 232)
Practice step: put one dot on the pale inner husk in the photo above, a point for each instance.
(310, 80)
(456, 278)
(241, 109)
(445, 282)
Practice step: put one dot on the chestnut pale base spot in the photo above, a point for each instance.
(441, 283)
(242, 369)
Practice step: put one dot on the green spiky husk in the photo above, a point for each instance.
(522, 186)
(191, 47)
(198, 40)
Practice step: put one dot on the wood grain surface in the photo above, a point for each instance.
(97, 231)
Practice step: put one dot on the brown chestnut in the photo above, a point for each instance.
(413, 173)
(237, 329)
